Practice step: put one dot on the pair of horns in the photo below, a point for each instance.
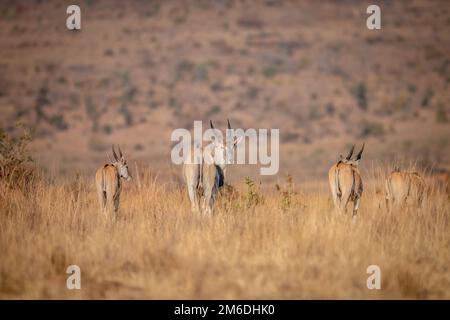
(212, 126)
(358, 156)
(115, 155)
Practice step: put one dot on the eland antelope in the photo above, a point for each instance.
(108, 183)
(345, 182)
(205, 176)
(403, 187)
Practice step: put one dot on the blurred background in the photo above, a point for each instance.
(139, 69)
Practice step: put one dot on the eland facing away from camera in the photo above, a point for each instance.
(346, 183)
(404, 187)
(108, 182)
(206, 175)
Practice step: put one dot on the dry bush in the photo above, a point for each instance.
(16, 165)
(159, 249)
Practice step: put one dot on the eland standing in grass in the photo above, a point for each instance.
(404, 187)
(108, 182)
(346, 183)
(206, 175)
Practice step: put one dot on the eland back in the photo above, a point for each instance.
(346, 183)
(403, 187)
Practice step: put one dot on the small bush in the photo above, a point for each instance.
(107, 129)
(214, 110)
(127, 115)
(108, 52)
(330, 109)
(98, 145)
(426, 98)
(360, 93)
(269, 72)
(287, 193)
(314, 112)
(371, 128)
(183, 67)
(16, 165)
(92, 113)
(401, 102)
(58, 121)
(201, 72)
(412, 88)
(41, 101)
(441, 115)
(129, 94)
(253, 196)
(215, 87)
(289, 136)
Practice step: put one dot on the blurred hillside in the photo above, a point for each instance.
(139, 69)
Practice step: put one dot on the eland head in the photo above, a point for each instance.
(222, 151)
(121, 164)
(348, 159)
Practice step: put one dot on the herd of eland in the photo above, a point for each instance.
(206, 175)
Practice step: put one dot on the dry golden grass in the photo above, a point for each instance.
(282, 244)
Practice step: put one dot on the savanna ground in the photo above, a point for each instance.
(284, 242)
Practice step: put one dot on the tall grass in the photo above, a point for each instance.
(271, 249)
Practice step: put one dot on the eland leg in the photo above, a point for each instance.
(345, 198)
(208, 201)
(355, 209)
(192, 191)
(116, 207)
